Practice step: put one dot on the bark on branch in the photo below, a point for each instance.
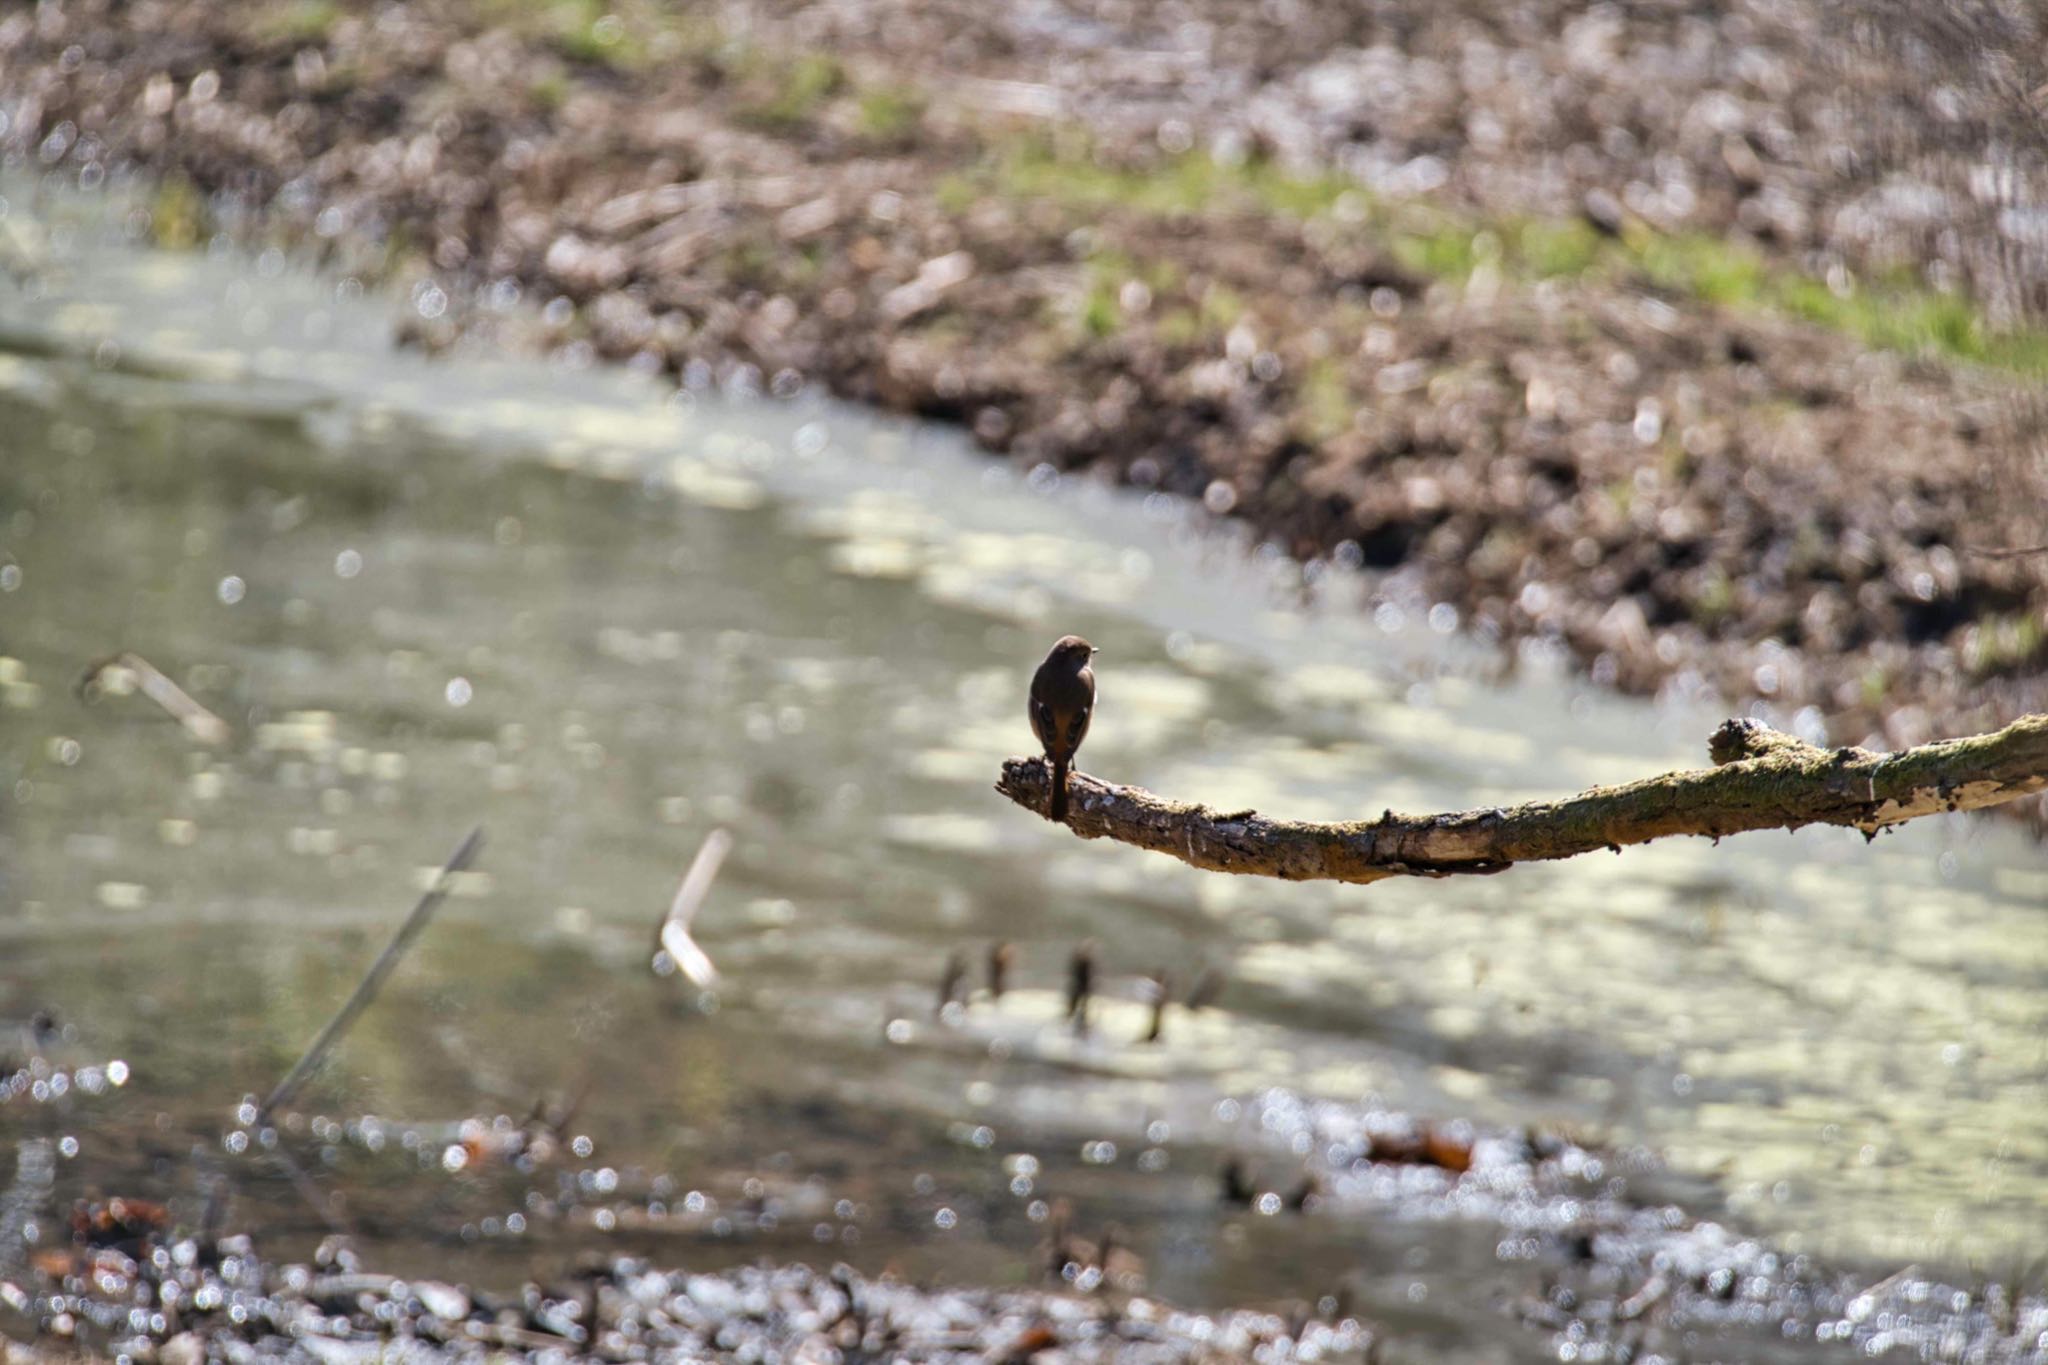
(1765, 780)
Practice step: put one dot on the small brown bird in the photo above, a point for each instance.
(1062, 700)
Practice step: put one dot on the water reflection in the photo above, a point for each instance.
(601, 623)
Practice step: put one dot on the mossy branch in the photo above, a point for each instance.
(1765, 780)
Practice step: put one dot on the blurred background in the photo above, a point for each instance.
(609, 424)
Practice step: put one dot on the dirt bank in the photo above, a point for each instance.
(1697, 349)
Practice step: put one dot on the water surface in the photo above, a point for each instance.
(600, 620)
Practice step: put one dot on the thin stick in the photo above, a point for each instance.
(199, 722)
(950, 982)
(1159, 987)
(429, 902)
(675, 949)
(1644, 1299)
(1000, 958)
(1080, 984)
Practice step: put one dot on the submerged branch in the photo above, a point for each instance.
(422, 911)
(1766, 780)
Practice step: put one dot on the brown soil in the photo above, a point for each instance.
(1682, 494)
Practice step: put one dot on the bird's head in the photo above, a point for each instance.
(1072, 650)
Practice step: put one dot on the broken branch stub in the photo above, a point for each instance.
(1765, 780)
(675, 947)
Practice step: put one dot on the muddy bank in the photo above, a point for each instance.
(1513, 364)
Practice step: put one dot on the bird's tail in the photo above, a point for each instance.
(1059, 790)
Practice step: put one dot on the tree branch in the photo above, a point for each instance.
(1766, 780)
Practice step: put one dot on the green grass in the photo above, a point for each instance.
(956, 193)
(549, 90)
(2003, 644)
(1326, 401)
(625, 35)
(1702, 267)
(1897, 314)
(302, 21)
(602, 40)
(1099, 312)
(1557, 248)
(1221, 306)
(1913, 318)
(1100, 316)
(889, 115)
(795, 90)
(1061, 167)
(1445, 252)
(1178, 327)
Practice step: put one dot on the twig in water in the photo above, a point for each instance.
(1645, 1298)
(950, 982)
(1080, 984)
(199, 722)
(429, 902)
(674, 949)
(1237, 1186)
(1001, 956)
(1159, 986)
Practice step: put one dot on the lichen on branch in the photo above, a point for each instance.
(1764, 780)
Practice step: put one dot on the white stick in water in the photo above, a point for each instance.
(678, 951)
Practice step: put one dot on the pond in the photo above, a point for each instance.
(600, 619)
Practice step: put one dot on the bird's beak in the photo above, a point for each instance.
(1093, 652)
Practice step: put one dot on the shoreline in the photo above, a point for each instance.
(1612, 1273)
(1680, 490)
